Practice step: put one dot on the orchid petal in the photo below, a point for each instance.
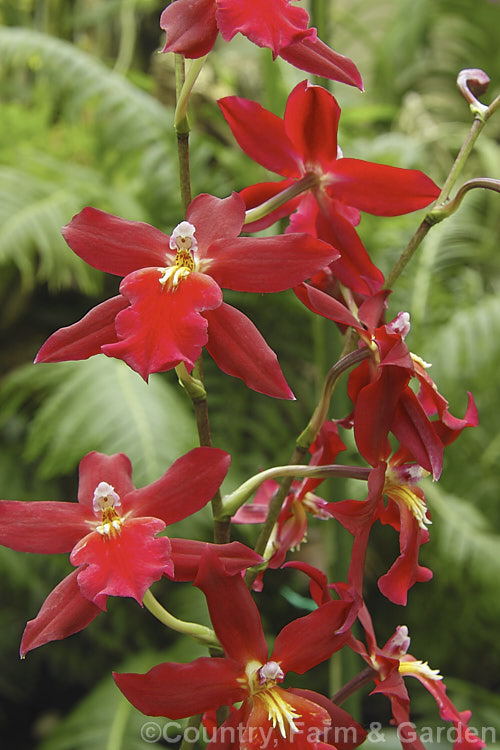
(314, 56)
(115, 470)
(240, 350)
(124, 564)
(64, 612)
(268, 264)
(309, 640)
(186, 555)
(274, 25)
(191, 27)
(187, 486)
(181, 690)
(261, 135)
(115, 245)
(307, 110)
(86, 337)
(233, 612)
(215, 218)
(162, 327)
(43, 526)
(379, 189)
(415, 432)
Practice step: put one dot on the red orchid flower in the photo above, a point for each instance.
(391, 664)
(192, 27)
(406, 512)
(247, 673)
(303, 145)
(301, 502)
(170, 303)
(111, 533)
(380, 390)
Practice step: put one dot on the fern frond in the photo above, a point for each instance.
(463, 534)
(98, 404)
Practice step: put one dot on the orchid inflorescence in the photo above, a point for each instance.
(170, 307)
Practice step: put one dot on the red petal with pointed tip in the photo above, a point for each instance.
(64, 612)
(162, 328)
(354, 268)
(186, 555)
(323, 304)
(415, 432)
(86, 337)
(374, 410)
(240, 350)
(233, 612)
(215, 218)
(307, 110)
(406, 570)
(187, 486)
(261, 135)
(268, 264)
(191, 27)
(309, 640)
(47, 527)
(317, 58)
(116, 245)
(181, 690)
(345, 733)
(379, 189)
(125, 564)
(273, 25)
(95, 467)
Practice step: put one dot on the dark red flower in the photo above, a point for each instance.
(301, 502)
(405, 511)
(192, 27)
(170, 303)
(380, 389)
(247, 673)
(304, 144)
(111, 533)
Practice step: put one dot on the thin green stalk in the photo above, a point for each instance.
(482, 114)
(199, 632)
(301, 185)
(119, 725)
(234, 501)
(188, 744)
(305, 439)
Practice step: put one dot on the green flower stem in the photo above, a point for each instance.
(351, 687)
(204, 635)
(482, 114)
(196, 391)
(311, 432)
(306, 182)
(305, 439)
(441, 212)
(188, 744)
(181, 122)
(234, 501)
(182, 130)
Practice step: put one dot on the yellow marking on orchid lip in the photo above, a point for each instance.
(111, 523)
(279, 712)
(419, 668)
(403, 494)
(184, 243)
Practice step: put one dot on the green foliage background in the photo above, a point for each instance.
(86, 118)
